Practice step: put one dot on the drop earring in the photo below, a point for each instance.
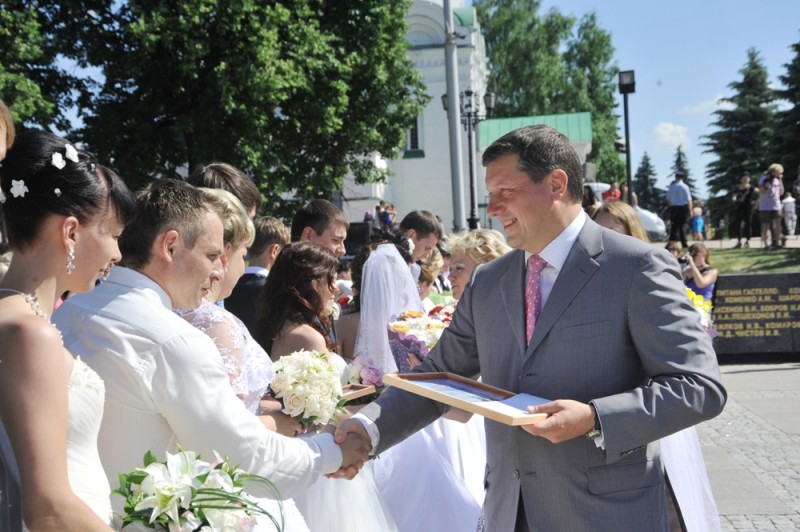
(71, 260)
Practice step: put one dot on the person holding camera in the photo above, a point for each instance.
(770, 190)
(698, 274)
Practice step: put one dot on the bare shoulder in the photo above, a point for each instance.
(296, 337)
(30, 347)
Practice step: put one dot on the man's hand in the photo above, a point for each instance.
(566, 420)
(352, 437)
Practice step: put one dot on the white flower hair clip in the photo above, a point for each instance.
(410, 246)
(18, 188)
(58, 161)
(57, 192)
(71, 153)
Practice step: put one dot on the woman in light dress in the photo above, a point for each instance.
(692, 505)
(293, 315)
(64, 213)
(420, 477)
(247, 364)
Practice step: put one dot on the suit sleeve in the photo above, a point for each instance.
(684, 385)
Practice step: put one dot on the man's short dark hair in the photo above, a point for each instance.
(319, 215)
(164, 205)
(541, 149)
(269, 231)
(423, 223)
(230, 178)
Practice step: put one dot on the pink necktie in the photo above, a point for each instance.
(533, 293)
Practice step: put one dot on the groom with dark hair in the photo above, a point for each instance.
(595, 320)
(165, 380)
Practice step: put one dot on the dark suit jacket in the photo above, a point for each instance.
(243, 299)
(618, 331)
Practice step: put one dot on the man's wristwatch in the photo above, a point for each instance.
(597, 431)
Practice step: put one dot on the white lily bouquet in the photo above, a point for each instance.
(186, 494)
(308, 387)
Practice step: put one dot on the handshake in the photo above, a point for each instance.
(354, 441)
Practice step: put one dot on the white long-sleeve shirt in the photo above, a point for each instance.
(166, 386)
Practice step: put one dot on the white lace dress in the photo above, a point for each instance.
(250, 371)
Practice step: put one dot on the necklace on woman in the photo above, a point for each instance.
(31, 299)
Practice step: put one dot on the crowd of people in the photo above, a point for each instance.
(135, 322)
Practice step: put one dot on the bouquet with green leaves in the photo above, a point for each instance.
(187, 494)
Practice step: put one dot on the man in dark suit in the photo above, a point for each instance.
(271, 236)
(595, 320)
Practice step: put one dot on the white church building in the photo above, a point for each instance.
(421, 174)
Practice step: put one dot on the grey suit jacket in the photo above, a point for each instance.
(617, 330)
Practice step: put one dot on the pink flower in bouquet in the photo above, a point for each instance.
(371, 376)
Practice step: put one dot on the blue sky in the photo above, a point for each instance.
(684, 54)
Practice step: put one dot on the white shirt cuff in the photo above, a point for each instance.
(372, 430)
(328, 455)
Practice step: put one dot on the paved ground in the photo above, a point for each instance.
(752, 450)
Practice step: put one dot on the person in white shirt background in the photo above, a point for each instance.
(165, 381)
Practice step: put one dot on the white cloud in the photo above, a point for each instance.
(707, 107)
(669, 135)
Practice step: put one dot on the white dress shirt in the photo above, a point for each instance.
(166, 386)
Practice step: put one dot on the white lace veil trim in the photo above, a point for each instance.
(387, 290)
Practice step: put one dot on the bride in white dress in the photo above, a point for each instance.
(437, 493)
(294, 309)
(63, 213)
(247, 364)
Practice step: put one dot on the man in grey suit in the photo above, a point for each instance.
(616, 344)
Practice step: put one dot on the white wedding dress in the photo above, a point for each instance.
(339, 505)
(432, 480)
(84, 414)
(250, 371)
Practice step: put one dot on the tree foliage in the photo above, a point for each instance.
(546, 64)
(295, 92)
(681, 162)
(745, 123)
(788, 128)
(34, 87)
(644, 184)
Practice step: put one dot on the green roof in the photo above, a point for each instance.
(464, 16)
(576, 126)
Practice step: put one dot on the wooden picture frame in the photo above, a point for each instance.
(470, 395)
(354, 391)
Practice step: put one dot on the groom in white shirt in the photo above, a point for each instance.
(164, 379)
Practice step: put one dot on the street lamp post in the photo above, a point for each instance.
(469, 106)
(627, 85)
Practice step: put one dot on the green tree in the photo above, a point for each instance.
(527, 71)
(295, 92)
(788, 128)
(745, 126)
(547, 65)
(644, 184)
(682, 163)
(36, 90)
(744, 139)
(589, 57)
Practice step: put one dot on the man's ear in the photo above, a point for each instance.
(412, 234)
(308, 234)
(165, 245)
(558, 182)
(273, 250)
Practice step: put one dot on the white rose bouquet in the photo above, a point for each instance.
(308, 387)
(185, 493)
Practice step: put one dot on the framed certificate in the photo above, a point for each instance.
(460, 392)
(354, 391)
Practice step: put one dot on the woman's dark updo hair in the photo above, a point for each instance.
(290, 295)
(382, 236)
(83, 189)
